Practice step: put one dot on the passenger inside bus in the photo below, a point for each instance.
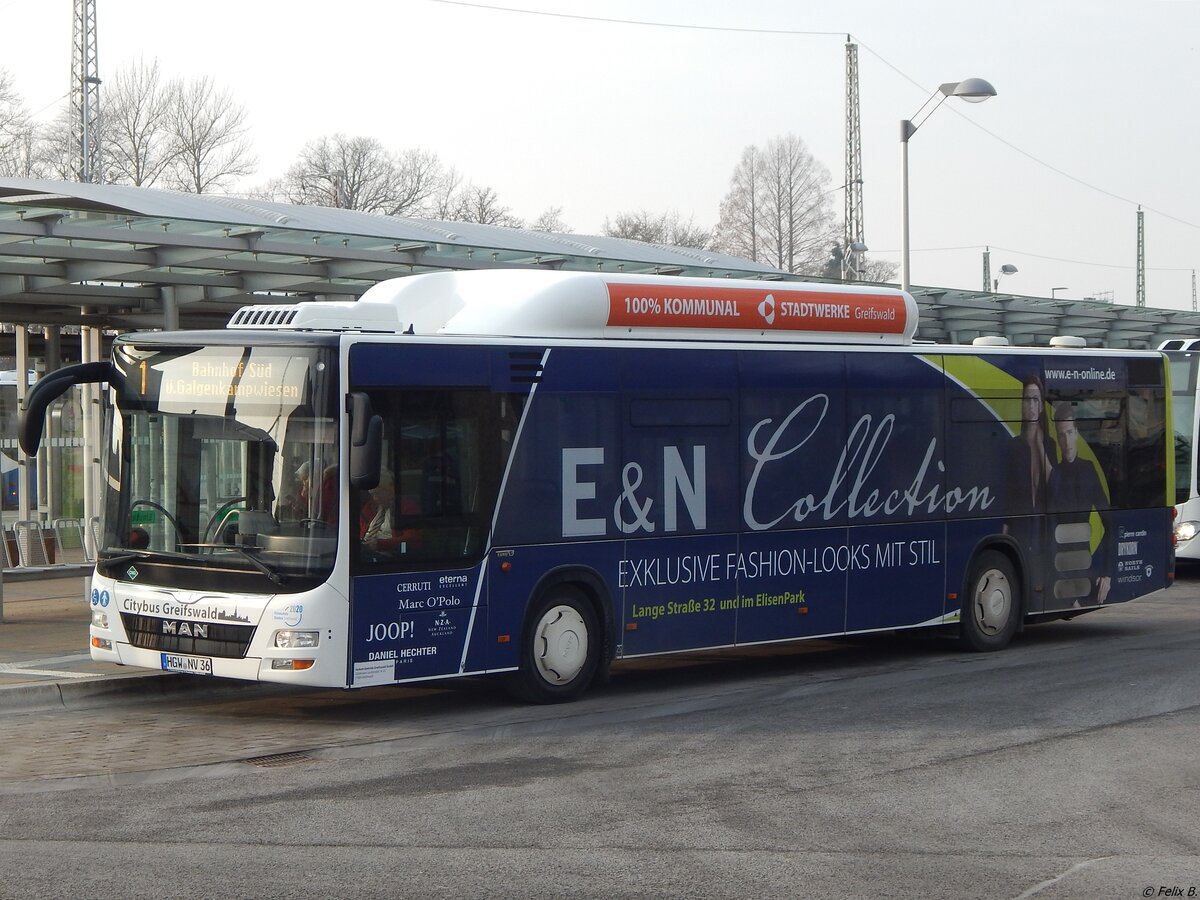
(327, 511)
(316, 500)
(377, 518)
(298, 505)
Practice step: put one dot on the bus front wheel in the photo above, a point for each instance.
(561, 648)
(993, 603)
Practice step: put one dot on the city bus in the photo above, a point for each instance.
(1184, 357)
(534, 474)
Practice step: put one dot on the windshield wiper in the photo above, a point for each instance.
(136, 554)
(275, 577)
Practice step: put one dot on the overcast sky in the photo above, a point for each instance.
(1095, 111)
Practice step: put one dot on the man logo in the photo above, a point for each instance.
(766, 309)
(185, 629)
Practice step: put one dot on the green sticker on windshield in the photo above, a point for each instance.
(143, 517)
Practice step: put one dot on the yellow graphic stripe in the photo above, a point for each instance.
(1001, 392)
(991, 386)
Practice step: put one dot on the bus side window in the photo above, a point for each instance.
(445, 450)
(441, 487)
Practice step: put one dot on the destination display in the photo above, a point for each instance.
(209, 379)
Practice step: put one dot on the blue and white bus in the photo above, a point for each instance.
(538, 473)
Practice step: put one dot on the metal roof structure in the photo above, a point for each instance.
(130, 255)
(958, 317)
(121, 257)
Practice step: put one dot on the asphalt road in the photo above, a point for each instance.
(1065, 766)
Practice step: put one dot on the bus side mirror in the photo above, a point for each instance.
(366, 443)
(48, 389)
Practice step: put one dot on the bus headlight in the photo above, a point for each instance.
(296, 639)
(100, 619)
(1185, 531)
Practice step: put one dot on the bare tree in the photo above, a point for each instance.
(18, 134)
(273, 190)
(551, 220)
(342, 172)
(208, 131)
(446, 201)
(739, 230)
(418, 173)
(359, 173)
(798, 216)
(682, 233)
(665, 228)
(23, 156)
(456, 200)
(778, 209)
(635, 226)
(878, 271)
(482, 206)
(139, 145)
(57, 151)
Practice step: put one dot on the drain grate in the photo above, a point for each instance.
(278, 760)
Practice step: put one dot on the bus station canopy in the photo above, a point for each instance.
(120, 257)
(127, 255)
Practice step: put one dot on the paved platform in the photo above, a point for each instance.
(44, 658)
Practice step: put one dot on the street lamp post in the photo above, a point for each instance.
(1006, 269)
(973, 90)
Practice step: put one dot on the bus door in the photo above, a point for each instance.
(896, 490)
(678, 498)
(417, 539)
(792, 560)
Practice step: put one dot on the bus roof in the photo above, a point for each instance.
(522, 303)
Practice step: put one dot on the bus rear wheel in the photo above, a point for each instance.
(561, 649)
(993, 603)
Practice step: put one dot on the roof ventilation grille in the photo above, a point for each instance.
(263, 317)
(318, 316)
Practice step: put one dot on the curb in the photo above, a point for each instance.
(110, 690)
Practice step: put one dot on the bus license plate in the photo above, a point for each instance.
(192, 665)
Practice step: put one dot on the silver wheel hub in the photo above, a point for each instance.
(992, 601)
(560, 648)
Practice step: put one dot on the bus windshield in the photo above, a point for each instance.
(1183, 396)
(222, 458)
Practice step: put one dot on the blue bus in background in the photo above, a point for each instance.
(9, 470)
(10, 482)
(538, 473)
